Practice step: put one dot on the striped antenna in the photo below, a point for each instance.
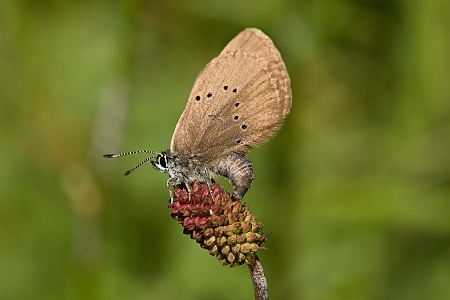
(133, 152)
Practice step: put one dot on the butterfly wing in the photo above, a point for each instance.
(239, 99)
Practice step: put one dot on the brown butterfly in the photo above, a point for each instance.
(239, 100)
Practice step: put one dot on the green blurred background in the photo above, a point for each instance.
(355, 189)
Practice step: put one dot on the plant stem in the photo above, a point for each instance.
(259, 280)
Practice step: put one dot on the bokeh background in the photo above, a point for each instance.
(355, 189)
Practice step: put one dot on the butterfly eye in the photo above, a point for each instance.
(162, 161)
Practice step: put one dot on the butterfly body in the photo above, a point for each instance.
(186, 169)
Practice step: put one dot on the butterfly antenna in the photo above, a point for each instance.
(140, 164)
(128, 153)
(132, 152)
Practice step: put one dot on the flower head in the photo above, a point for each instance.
(226, 228)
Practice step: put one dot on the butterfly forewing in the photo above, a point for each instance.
(238, 101)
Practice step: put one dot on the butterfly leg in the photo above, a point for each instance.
(188, 187)
(210, 183)
(169, 187)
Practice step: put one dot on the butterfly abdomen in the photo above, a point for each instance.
(238, 170)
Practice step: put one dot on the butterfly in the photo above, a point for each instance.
(238, 101)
